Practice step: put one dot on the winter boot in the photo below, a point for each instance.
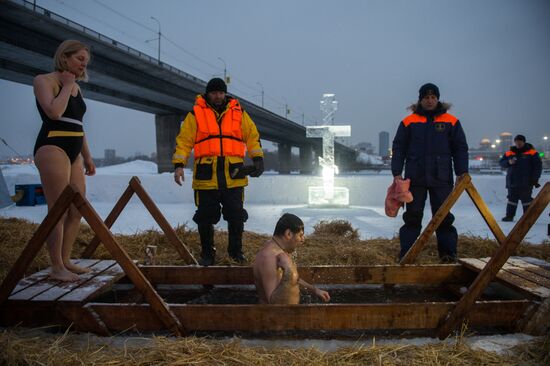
(510, 211)
(235, 240)
(208, 251)
(448, 259)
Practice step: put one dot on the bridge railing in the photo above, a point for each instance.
(103, 38)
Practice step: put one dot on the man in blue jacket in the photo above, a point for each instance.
(428, 144)
(524, 168)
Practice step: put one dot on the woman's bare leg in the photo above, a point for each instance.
(54, 167)
(72, 220)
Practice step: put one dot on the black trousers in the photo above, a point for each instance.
(212, 203)
(446, 233)
(523, 194)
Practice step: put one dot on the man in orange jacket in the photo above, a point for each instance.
(524, 167)
(219, 131)
(429, 144)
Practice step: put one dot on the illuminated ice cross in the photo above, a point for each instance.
(328, 194)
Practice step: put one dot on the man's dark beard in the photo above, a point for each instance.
(221, 106)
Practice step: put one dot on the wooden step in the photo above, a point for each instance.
(518, 274)
(39, 288)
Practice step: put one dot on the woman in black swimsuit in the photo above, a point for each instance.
(61, 152)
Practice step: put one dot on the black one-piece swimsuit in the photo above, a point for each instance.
(66, 132)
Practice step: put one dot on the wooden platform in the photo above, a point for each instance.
(39, 288)
(36, 300)
(530, 279)
(521, 301)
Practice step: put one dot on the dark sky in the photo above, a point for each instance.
(489, 58)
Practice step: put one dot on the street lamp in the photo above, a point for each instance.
(261, 86)
(287, 111)
(303, 116)
(224, 69)
(159, 36)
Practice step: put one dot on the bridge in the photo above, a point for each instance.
(123, 76)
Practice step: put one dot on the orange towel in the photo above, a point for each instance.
(398, 194)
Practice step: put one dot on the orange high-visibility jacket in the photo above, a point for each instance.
(223, 139)
(211, 135)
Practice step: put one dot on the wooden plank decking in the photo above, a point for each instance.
(525, 277)
(39, 288)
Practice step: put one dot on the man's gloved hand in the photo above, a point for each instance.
(535, 183)
(259, 165)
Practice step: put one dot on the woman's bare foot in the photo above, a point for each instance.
(63, 275)
(76, 269)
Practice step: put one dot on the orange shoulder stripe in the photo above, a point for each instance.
(509, 153)
(531, 152)
(446, 117)
(414, 118)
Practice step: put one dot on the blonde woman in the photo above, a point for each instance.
(61, 152)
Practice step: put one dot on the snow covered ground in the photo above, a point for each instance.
(266, 198)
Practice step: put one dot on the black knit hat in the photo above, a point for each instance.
(216, 84)
(426, 89)
(519, 137)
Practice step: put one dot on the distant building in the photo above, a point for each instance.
(485, 144)
(506, 140)
(384, 143)
(365, 147)
(110, 156)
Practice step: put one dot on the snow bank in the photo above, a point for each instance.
(136, 167)
(266, 198)
(365, 158)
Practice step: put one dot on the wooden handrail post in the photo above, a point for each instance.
(36, 242)
(158, 306)
(485, 213)
(461, 184)
(110, 220)
(496, 262)
(183, 251)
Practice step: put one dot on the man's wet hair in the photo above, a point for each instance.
(288, 221)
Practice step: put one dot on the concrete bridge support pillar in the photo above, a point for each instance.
(306, 159)
(285, 154)
(167, 127)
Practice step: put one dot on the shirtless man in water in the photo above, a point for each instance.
(275, 274)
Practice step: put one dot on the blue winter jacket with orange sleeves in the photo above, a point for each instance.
(527, 169)
(428, 145)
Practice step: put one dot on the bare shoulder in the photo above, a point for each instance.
(46, 82)
(265, 256)
(41, 79)
(49, 78)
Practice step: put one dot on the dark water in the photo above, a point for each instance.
(356, 294)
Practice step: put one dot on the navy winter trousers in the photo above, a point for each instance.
(446, 233)
(523, 194)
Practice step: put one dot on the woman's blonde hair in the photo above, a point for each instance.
(65, 50)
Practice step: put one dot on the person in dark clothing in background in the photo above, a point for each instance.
(524, 168)
(428, 143)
